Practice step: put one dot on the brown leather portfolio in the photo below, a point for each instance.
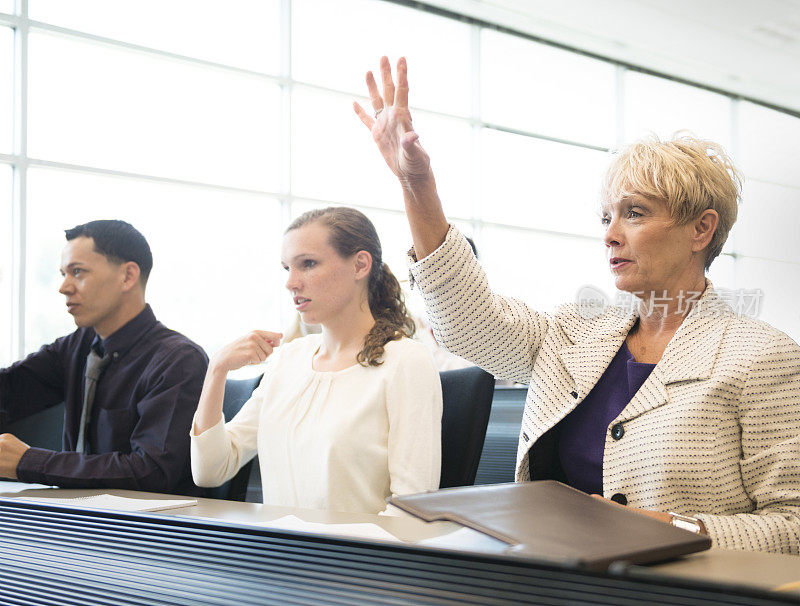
(550, 521)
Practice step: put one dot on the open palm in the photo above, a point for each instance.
(391, 127)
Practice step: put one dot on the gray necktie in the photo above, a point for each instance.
(95, 365)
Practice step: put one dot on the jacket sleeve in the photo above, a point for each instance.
(769, 418)
(159, 444)
(500, 334)
(33, 384)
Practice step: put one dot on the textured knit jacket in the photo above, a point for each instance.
(713, 432)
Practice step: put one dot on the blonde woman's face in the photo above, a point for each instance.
(321, 282)
(646, 251)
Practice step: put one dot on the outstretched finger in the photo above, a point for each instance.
(388, 83)
(365, 117)
(402, 83)
(374, 95)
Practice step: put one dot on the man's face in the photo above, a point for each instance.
(92, 285)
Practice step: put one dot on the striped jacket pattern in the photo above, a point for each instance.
(714, 431)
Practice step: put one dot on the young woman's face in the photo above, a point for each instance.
(321, 282)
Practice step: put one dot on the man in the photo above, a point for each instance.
(129, 404)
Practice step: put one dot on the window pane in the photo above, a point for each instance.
(769, 144)
(6, 256)
(778, 281)
(449, 142)
(723, 272)
(216, 271)
(333, 154)
(334, 157)
(661, 106)
(335, 43)
(6, 89)
(542, 270)
(244, 33)
(768, 220)
(101, 106)
(531, 86)
(535, 183)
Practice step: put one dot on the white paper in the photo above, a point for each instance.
(463, 538)
(360, 530)
(109, 501)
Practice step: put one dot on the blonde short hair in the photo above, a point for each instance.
(691, 175)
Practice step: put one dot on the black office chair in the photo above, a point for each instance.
(237, 392)
(466, 404)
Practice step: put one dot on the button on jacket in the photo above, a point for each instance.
(713, 432)
(143, 407)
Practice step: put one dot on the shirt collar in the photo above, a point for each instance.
(119, 342)
(97, 346)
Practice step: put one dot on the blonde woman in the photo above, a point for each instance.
(678, 408)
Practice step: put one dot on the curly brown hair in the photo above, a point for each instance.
(350, 232)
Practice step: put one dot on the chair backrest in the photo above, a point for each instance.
(466, 404)
(237, 392)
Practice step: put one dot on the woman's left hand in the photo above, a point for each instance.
(656, 515)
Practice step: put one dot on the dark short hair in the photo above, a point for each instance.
(117, 241)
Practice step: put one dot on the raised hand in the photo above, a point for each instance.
(253, 348)
(391, 127)
(399, 144)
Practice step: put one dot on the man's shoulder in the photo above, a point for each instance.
(161, 342)
(80, 338)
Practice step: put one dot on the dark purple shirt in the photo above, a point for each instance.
(582, 433)
(142, 413)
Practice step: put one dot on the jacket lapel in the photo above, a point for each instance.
(689, 356)
(587, 358)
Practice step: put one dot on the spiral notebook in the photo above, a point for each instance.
(548, 520)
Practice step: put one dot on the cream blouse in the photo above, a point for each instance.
(343, 440)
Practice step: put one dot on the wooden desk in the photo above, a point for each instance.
(221, 552)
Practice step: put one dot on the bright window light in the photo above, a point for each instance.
(536, 183)
(242, 33)
(769, 146)
(545, 90)
(6, 89)
(108, 107)
(543, 270)
(216, 272)
(6, 275)
(335, 43)
(656, 105)
(333, 155)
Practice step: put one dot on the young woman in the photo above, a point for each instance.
(342, 419)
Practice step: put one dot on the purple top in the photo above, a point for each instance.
(582, 433)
